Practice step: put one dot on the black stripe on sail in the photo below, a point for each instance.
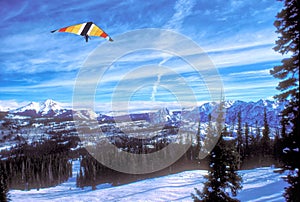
(86, 28)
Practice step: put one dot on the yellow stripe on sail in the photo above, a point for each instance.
(96, 31)
(69, 29)
(76, 29)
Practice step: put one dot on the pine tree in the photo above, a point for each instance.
(279, 140)
(246, 139)
(283, 128)
(255, 140)
(3, 185)
(198, 136)
(265, 140)
(222, 174)
(240, 142)
(208, 141)
(257, 132)
(287, 24)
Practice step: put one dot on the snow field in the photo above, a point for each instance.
(260, 184)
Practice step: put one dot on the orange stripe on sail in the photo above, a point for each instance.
(69, 29)
(99, 32)
(63, 29)
(104, 35)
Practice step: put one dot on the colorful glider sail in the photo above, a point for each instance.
(85, 29)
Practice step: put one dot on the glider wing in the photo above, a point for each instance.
(85, 29)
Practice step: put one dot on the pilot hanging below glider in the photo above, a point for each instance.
(85, 29)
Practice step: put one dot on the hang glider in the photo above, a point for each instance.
(85, 29)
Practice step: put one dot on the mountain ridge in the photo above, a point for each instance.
(251, 112)
(47, 108)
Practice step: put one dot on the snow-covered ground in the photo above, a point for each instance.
(260, 184)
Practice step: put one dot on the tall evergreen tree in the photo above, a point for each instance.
(283, 128)
(208, 141)
(265, 140)
(287, 24)
(279, 140)
(3, 185)
(246, 139)
(257, 131)
(198, 136)
(255, 138)
(222, 174)
(240, 142)
(277, 145)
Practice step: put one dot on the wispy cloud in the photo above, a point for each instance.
(183, 8)
(6, 105)
(255, 73)
(12, 9)
(249, 84)
(157, 82)
(118, 108)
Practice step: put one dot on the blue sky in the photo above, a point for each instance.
(238, 36)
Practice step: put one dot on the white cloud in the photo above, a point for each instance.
(245, 57)
(183, 8)
(249, 85)
(254, 73)
(238, 89)
(6, 105)
(14, 10)
(141, 106)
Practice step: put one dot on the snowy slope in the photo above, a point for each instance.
(48, 108)
(85, 114)
(43, 108)
(260, 184)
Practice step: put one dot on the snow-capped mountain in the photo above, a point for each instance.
(251, 112)
(47, 108)
(40, 107)
(85, 114)
(161, 116)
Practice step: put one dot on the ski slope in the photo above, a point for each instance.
(260, 184)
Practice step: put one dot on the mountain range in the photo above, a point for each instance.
(251, 112)
(47, 108)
